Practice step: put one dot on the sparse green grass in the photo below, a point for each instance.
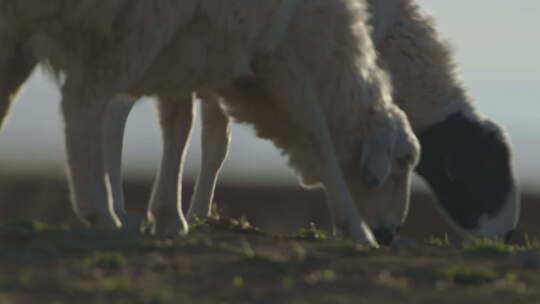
(455, 274)
(160, 295)
(100, 283)
(311, 233)
(28, 276)
(532, 243)
(165, 245)
(24, 229)
(106, 261)
(488, 280)
(7, 285)
(510, 283)
(290, 266)
(483, 279)
(321, 276)
(219, 263)
(348, 248)
(386, 278)
(217, 222)
(238, 281)
(299, 251)
(438, 242)
(489, 249)
(335, 299)
(482, 248)
(467, 274)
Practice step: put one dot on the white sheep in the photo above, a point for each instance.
(465, 157)
(313, 60)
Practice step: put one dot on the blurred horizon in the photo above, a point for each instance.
(494, 46)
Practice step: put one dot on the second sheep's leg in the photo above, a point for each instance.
(115, 121)
(165, 209)
(84, 110)
(215, 145)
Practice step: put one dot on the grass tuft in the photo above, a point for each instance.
(217, 222)
(321, 276)
(312, 233)
(386, 278)
(106, 261)
(455, 274)
(7, 285)
(468, 275)
(531, 243)
(438, 242)
(238, 281)
(349, 248)
(483, 248)
(21, 229)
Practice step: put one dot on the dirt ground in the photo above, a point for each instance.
(226, 261)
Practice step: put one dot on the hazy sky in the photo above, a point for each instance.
(497, 46)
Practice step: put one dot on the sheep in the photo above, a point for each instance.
(466, 158)
(333, 100)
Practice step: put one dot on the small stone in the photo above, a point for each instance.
(529, 259)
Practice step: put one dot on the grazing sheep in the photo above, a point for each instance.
(465, 159)
(334, 104)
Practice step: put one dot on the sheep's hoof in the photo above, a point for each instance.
(192, 216)
(104, 222)
(361, 233)
(169, 226)
(384, 236)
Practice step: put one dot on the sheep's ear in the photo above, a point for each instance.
(377, 157)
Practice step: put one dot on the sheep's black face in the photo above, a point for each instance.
(468, 165)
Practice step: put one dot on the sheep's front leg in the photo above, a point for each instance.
(215, 145)
(165, 209)
(307, 113)
(84, 112)
(115, 121)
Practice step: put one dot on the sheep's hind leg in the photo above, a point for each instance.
(84, 115)
(215, 145)
(15, 68)
(165, 209)
(115, 121)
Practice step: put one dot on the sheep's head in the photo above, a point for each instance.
(467, 162)
(380, 181)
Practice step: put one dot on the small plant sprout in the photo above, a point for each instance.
(312, 233)
(438, 241)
